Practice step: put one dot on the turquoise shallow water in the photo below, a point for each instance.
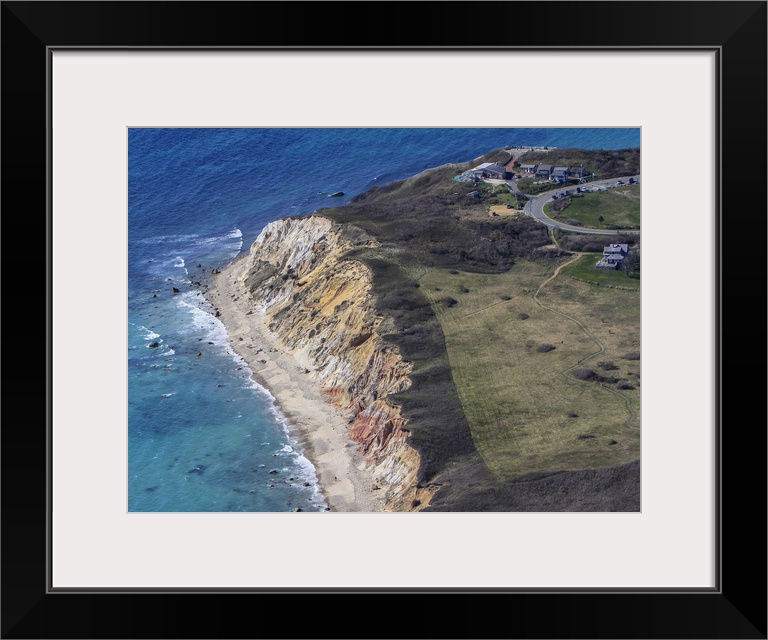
(202, 436)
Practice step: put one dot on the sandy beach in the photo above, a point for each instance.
(319, 428)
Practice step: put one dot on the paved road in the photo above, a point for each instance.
(535, 206)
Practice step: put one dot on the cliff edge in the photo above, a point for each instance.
(319, 306)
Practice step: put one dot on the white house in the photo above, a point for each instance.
(613, 256)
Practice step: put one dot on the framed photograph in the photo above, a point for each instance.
(104, 104)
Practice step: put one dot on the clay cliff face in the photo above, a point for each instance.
(320, 307)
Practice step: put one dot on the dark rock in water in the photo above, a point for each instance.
(150, 489)
(199, 266)
(199, 354)
(307, 484)
(154, 295)
(174, 290)
(210, 343)
(297, 510)
(273, 472)
(153, 344)
(336, 194)
(198, 469)
(236, 490)
(217, 314)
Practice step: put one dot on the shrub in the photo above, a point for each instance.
(505, 297)
(583, 374)
(463, 289)
(573, 414)
(623, 384)
(449, 302)
(632, 355)
(607, 366)
(544, 348)
(453, 272)
(585, 436)
(523, 316)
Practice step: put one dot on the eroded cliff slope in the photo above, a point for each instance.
(319, 305)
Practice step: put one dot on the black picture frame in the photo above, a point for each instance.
(736, 608)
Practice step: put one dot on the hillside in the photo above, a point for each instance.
(446, 283)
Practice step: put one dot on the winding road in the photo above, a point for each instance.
(535, 206)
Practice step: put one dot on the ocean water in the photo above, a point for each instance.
(202, 435)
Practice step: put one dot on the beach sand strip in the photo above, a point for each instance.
(319, 428)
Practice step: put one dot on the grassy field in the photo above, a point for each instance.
(525, 410)
(614, 209)
(629, 189)
(584, 268)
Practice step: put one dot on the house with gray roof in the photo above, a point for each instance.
(528, 168)
(560, 174)
(544, 171)
(613, 256)
(491, 170)
(578, 172)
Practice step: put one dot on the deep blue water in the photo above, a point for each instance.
(202, 435)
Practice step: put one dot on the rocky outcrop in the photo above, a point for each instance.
(319, 305)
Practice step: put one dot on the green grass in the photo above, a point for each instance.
(630, 189)
(614, 209)
(517, 399)
(584, 268)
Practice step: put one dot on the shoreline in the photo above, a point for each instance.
(317, 426)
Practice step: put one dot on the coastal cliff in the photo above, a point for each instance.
(320, 308)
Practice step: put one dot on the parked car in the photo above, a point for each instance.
(631, 181)
(620, 182)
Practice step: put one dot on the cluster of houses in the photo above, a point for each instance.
(556, 174)
(613, 256)
(495, 171)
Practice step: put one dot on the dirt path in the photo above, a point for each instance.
(600, 345)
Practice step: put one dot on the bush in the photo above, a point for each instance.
(505, 297)
(623, 384)
(523, 316)
(573, 414)
(463, 289)
(544, 348)
(632, 355)
(449, 302)
(607, 366)
(583, 374)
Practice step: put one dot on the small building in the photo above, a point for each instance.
(578, 172)
(616, 250)
(560, 174)
(473, 194)
(613, 256)
(544, 171)
(489, 170)
(528, 168)
(608, 263)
